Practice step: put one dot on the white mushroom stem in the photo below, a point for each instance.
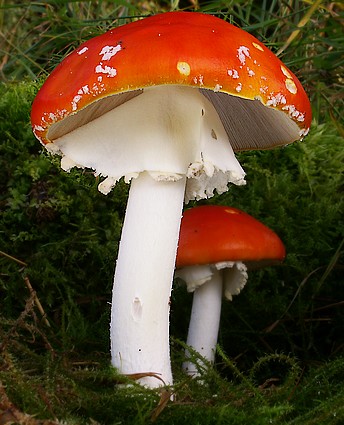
(204, 322)
(209, 283)
(143, 279)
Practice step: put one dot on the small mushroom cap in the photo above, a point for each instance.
(177, 48)
(211, 234)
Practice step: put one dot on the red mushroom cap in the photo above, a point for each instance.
(212, 233)
(175, 48)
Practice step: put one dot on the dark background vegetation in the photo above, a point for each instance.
(280, 356)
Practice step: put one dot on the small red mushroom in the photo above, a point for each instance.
(163, 102)
(217, 244)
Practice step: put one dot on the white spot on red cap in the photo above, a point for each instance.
(301, 117)
(97, 89)
(303, 132)
(286, 72)
(111, 72)
(289, 82)
(198, 80)
(38, 128)
(277, 99)
(291, 86)
(258, 46)
(184, 68)
(233, 73)
(82, 51)
(238, 87)
(109, 51)
(243, 54)
(84, 90)
(250, 72)
(294, 113)
(75, 101)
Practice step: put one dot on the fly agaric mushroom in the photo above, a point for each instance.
(163, 102)
(217, 244)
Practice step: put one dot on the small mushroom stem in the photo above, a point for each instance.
(204, 322)
(143, 279)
